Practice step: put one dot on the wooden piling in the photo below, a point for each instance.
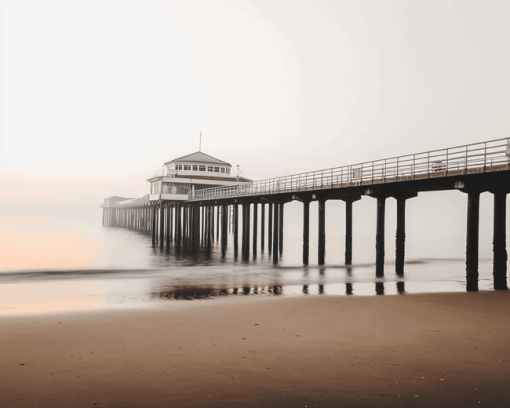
(236, 229)
(400, 238)
(499, 242)
(379, 239)
(255, 221)
(153, 225)
(322, 230)
(473, 216)
(270, 227)
(280, 217)
(306, 231)
(262, 226)
(276, 235)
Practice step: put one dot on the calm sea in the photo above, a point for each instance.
(58, 259)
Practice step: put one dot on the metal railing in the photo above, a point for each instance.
(481, 157)
(164, 172)
(134, 201)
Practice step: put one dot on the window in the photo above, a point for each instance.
(216, 169)
(228, 171)
(195, 167)
(187, 167)
(178, 166)
(209, 168)
(223, 169)
(201, 168)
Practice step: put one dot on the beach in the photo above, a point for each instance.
(422, 350)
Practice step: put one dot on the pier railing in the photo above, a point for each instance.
(481, 157)
(135, 201)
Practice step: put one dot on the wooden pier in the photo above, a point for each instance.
(470, 169)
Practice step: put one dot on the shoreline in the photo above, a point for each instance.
(446, 349)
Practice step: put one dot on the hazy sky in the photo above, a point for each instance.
(96, 95)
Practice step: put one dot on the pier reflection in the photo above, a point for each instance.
(191, 292)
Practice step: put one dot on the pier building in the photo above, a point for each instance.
(181, 177)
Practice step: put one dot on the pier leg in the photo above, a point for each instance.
(178, 224)
(262, 226)
(348, 232)
(499, 242)
(153, 211)
(217, 223)
(224, 229)
(379, 239)
(322, 230)
(348, 228)
(270, 227)
(172, 212)
(473, 217)
(247, 236)
(202, 223)
(280, 216)
(236, 229)
(161, 225)
(255, 221)
(276, 235)
(400, 237)
(306, 231)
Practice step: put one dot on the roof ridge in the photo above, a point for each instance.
(216, 160)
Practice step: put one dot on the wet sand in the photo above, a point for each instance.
(441, 350)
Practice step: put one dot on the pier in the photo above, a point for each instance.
(208, 214)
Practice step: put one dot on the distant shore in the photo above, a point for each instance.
(443, 350)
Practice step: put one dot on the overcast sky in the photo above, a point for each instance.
(96, 95)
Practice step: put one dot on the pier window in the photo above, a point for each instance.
(209, 168)
(187, 167)
(155, 187)
(216, 169)
(201, 168)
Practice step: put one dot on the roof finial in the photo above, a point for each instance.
(200, 144)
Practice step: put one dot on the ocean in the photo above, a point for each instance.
(59, 259)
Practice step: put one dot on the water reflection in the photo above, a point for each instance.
(191, 292)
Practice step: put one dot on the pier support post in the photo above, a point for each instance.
(280, 216)
(217, 223)
(276, 235)
(178, 229)
(153, 213)
(255, 221)
(348, 227)
(400, 239)
(270, 227)
(499, 241)
(161, 224)
(262, 226)
(236, 229)
(379, 238)
(171, 222)
(306, 231)
(247, 234)
(473, 216)
(224, 229)
(322, 230)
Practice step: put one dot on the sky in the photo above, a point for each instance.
(96, 95)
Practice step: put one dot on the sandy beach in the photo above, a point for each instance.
(441, 350)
